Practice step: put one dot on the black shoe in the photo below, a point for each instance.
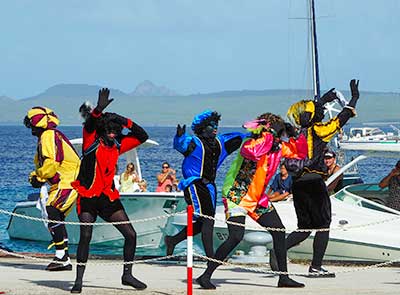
(273, 263)
(315, 272)
(130, 280)
(77, 288)
(286, 282)
(205, 283)
(169, 245)
(60, 264)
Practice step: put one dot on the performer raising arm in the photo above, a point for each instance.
(204, 153)
(103, 142)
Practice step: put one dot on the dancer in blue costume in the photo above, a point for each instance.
(204, 153)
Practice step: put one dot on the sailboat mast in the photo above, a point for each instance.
(314, 52)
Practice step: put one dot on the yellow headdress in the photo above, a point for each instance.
(296, 109)
(42, 117)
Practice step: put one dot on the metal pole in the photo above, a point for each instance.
(317, 91)
(190, 250)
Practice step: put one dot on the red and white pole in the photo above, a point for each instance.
(190, 250)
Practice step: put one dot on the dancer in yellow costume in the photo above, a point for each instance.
(56, 163)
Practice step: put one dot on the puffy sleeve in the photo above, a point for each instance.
(51, 153)
(136, 136)
(181, 143)
(295, 148)
(254, 148)
(326, 131)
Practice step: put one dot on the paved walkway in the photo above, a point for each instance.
(19, 276)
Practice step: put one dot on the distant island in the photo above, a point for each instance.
(152, 105)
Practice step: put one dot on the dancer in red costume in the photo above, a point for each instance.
(103, 142)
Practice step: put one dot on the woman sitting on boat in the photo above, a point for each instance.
(166, 178)
(244, 187)
(129, 179)
(103, 142)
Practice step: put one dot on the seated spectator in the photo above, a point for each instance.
(330, 162)
(166, 177)
(128, 179)
(142, 185)
(281, 186)
(168, 188)
(392, 180)
(175, 187)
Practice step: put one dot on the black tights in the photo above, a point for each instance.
(57, 230)
(126, 230)
(319, 245)
(236, 233)
(206, 227)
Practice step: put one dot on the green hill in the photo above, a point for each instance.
(235, 106)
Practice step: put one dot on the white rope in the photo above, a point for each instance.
(252, 269)
(91, 223)
(38, 259)
(268, 271)
(262, 228)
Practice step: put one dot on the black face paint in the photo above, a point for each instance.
(36, 131)
(211, 130)
(305, 119)
(27, 122)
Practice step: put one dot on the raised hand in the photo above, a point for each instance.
(180, 130)
(328, 96)
(103, 100)
(354, 88)
(355, 94)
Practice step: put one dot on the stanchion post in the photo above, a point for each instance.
(190, 250)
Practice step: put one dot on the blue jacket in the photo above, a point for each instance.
(203, 156)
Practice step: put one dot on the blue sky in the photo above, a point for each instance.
(196, 46)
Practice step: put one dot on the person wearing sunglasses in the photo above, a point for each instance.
(167, 177)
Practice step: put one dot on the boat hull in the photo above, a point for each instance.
(384, 146)
(350, 242)
(138, 206)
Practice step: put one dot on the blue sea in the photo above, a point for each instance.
(17, 148)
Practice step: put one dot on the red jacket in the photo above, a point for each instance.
(96, 175)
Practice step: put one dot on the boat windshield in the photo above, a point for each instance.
(365, 195)
(375, 132)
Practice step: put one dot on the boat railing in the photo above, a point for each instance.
(344, 195)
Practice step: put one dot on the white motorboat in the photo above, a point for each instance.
(362, 228)
(138, 205)
(370, 138)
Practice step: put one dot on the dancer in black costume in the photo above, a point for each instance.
(310, 195)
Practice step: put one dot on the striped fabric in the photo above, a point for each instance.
(43, 117)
